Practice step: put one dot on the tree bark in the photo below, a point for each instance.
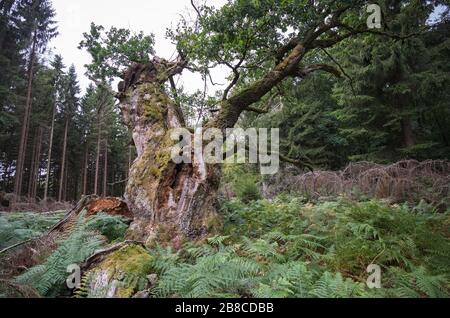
(170, 202)
(105, 171)
(32, 166)
(50, 148)
(129, 162)
(97, 167)
(65, 183)
(63, 161)
(25, 125)
(38, 163)
(97, 159)
(85, 169)
(35, 164)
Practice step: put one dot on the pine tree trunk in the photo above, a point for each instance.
(25, 123)
(105, 171)
(32, 167)
(97, 162)
(113, 182)
(97, 159)
(91, 176)
(63, 161)
(85, 170)
(66, 181)
(170, 202)
(35, 163)
(50, 148)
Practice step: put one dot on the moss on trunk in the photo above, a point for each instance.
(121, 274)
(170, 202)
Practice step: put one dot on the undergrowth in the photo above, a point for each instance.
(87, 236)
(286, 248)
(18, 227)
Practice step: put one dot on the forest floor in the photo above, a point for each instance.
(284, 247)
(321, 234)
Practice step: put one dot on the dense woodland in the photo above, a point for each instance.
(391, 104)
(55, 143)
(368, 112)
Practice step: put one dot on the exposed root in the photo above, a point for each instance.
(100, 255)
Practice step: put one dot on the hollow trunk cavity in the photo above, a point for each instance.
(170, 202)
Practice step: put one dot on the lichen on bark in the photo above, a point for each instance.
(170, 202)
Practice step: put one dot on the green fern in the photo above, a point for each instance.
(261, 248)
(17, 227)
(83, 290)
(293, 279)
(165, 258)
(419, 283)
(112, 227)
(219, 274)
(340, 239)
(335, 286)
(49, 278)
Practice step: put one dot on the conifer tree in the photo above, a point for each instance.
(39, 28)
(391, 100)
(70, 105)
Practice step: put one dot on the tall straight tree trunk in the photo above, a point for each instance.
(98, 150)
(66, 173)
(113, 183)
(34, 171)
(85, 170)
(105, 171)
(32, 167)
(63, 161)
(25, 124)
(50, 148)
(74, 188)
(37, 163)
(97, 161)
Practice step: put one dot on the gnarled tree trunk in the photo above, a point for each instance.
(170, 202)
